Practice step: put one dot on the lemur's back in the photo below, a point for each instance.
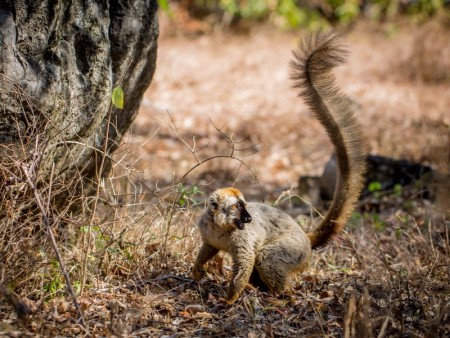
(275, 222)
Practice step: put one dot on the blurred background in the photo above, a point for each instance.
(222, 86)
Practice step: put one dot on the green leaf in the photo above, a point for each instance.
(374, 186)
(117, 97)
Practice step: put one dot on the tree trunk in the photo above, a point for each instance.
(59, 62)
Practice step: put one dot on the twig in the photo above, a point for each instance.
(192, 149)
(172, 125)
(54, 245)
(349, 318)
(232, 142)
(224, 156)
(318, 317)
(157, 279)
(384, 326)
(99, 173)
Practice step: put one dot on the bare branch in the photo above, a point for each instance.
(46, 222)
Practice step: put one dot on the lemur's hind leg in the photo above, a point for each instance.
(277, 261)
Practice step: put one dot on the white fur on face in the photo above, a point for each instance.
(225, 214)
(222, 204)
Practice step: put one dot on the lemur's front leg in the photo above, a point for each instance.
(205, 254)
(243, 262)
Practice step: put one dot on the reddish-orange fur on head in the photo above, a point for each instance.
(228, 192)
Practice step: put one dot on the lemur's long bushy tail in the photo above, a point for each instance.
(312, 72)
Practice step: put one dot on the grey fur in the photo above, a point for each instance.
(272, 243)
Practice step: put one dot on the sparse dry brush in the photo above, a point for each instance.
(387, 275)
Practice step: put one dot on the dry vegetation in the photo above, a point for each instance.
(222, 106)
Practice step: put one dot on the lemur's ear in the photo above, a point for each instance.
(213, 202)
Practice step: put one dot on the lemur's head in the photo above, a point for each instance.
(228, 207)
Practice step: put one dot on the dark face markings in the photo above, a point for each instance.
(242, 215)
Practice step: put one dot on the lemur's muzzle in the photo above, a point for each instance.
(245, 218)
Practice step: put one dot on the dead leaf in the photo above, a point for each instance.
(195, 308)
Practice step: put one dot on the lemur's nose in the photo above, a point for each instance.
(247, 219)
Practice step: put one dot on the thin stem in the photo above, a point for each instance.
(54, 245)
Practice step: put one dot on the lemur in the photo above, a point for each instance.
(266, 245)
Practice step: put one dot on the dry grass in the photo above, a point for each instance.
(129, 259)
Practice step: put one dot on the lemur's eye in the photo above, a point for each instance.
(235, 206)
